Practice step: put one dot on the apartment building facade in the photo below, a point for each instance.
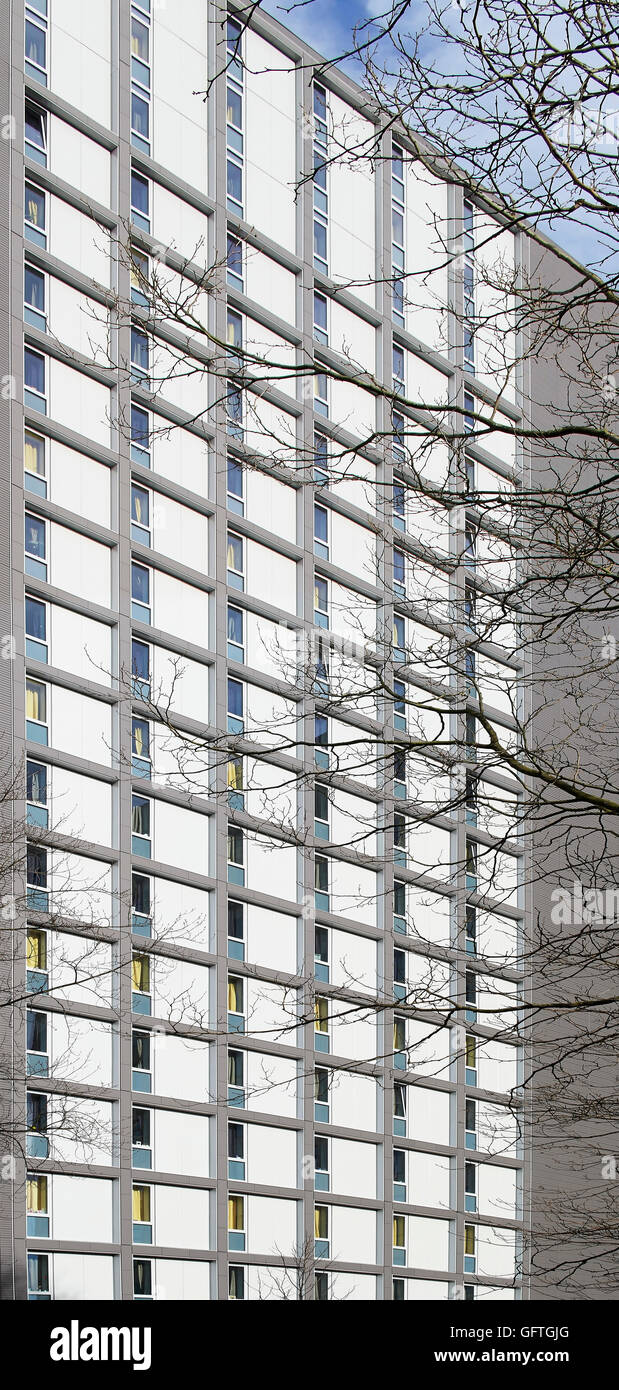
(215, 1082)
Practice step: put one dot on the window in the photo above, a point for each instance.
(140, 276)
(141, 904)
(471, 865)
(235, 560)
(470, 1124)
(321, 1024)
(470, 1187)
(470, 930)
(37, 1059)
(321, 953)
(236, 1222)
(37, 1143)
(398, 437)
(470, 1057)
(236, 1282)
(36, 794)
(36, 711)
(142, 1279)
(321, 601)
(469, 1293)
(469, 1250)
(399, 974)
(234, 262)
(34, 298)
(399, 506)
(34, 381)
(140, 593)
(321, 1096)
(399, 705)
(36, 960)
(469, 413)
(140, 747)
(34, 463)
(321, 393)
(235, 501)
(321, 679)
(399, 638)
(236, 648)
(236, 930)
(140, 436)
(36, 41)
(321, 882)
(35, 215)
(399, 1240)
(399, 839)
(140, 984)
(321, 332)
(38, 1278)
(142, 1225)
(236, 855)
(34, 545)
(321, 1286)
(140, 201)
(399, 1042)
(234, 410)
(140, 669)
(236, 1077)
(321, 460)
(399, 906)
(36, 629)
(399, 771)
(140, 1061)
(399, 1108)
(399, 1295)
(140, 826)
(141, 120)
(470, 990)
(236, 798)
(321, 812)
(399, 1175)
(142, 1153)
(236, 1004)
(321, 1233)
(321, 531)
(321, 1163)
(321, 740)
(236, 721)
(140, 514)
(140, 357)
(234, 338)
(398, 370)
(399, 571)
(37, 1218)
(236, 1153)
(35, 134)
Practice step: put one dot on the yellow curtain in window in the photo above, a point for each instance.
(140, 969)
(235, 996)
(236, 1215)
(33, 211)
(137, 740)
(141, 1204)
(235, 774)
(137, 500)
(471, 1051)
(33, 456)
(36, 1194)
(36, 950)
(321, 1015)
(398, 1231)
(469, 1240)
(321, 1223)
(399, 1035)
(35, 701)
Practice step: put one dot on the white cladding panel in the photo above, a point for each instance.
(80, 1205)
(79, 160)
(82, 1277)
(182, 1279)
(271, 1156)
(80, 51)
(270, 141)
(181, 1143)
(80, 645)
(353, 1168)
(180, 1067)
(79, 483)
(271, 1224)
(78, 402)
(353, 1235)
(181, 1217)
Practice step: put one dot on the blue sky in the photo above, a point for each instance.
(327, 24)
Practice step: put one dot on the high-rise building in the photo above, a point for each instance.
(257, 944)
